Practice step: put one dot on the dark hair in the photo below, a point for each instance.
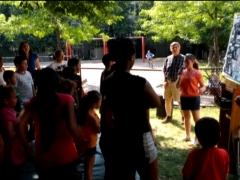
(73, 62)
(5, 92)
(47, 101)
(57, 54)
(106, 60)
(86, 102)
(1, 58)
(8, 74)
(207, 131)
(121, 50)
(68, 72)
(35, 73)
(192, 58)
(20, 49)
(19, 59)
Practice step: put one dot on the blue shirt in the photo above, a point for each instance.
(149, 55)
(32, 62)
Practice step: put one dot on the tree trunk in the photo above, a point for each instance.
(216, 47)
(210, 55)
(58, 38)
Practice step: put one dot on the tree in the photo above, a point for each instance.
(41, 18)
(194, 21)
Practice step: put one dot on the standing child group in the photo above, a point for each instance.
(67, 126)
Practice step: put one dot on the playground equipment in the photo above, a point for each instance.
(94, 54)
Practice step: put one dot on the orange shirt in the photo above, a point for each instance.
(89, 133)
(206, 164)
(189, 83)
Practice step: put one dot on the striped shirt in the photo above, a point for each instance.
(25, 86)
(172, 65)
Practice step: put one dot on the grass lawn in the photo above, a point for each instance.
(172, 153)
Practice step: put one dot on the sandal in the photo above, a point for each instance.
(185, 139)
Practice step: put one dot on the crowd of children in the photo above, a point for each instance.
(51, 101)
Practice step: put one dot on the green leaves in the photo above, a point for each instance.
(189, 20)
(76, 21)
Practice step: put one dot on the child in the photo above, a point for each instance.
(208, 162)
(2, 82)
(58, 64)
(14, 154)
(11, 80)
(75, 64)
(24, 79)
(108, 62)
(149, 57)
(90, 127)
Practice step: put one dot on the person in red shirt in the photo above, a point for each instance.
(57, 135)
(208, 162)
(189, 80)
(14, 154)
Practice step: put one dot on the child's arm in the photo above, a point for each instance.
(23, 119)
(9, 130)
(95, 123)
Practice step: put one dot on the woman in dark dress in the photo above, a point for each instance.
(32, 57)
(126, 101)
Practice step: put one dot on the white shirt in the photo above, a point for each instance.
(25, 86)
(56, 66)
(2, 82)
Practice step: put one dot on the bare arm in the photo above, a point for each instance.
(202, 86)
(152, 96)
(95, 123)
(73, 128)
(38, 64)
(9, 130)
(21, 127)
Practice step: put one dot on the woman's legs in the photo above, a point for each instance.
(187, 118)
(88, 166)
(196, 115)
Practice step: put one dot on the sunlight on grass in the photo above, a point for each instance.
(172, 153)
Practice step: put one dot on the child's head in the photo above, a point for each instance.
(207, 131)
(91, 100)
(107, 61)
(1, 62)
(8, 97)
(68, 73)
(190, 62)
(58, 56)
(10, 77)
(75, 64)
(21, 63)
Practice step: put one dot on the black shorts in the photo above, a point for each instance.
(91, 151)
(190, 103)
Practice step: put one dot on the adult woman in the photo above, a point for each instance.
(126, 100)
(190, 92)
(55, 126)
(32, 57)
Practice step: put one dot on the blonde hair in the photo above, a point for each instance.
(174, 43)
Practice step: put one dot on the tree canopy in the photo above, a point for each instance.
(193, 21)
(74, 25)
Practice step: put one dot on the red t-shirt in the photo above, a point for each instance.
(63, 149)
(189, 83)
(13, 150)
(206, 163)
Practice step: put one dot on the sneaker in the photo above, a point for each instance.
(194, 142)
(185, 138)
(167, 119)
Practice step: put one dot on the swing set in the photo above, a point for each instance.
(93, 51)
